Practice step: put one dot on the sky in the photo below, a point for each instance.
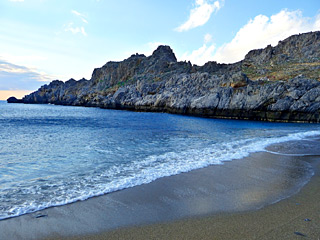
(44, 40)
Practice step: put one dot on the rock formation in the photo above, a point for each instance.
(14, 100)
(278, 83)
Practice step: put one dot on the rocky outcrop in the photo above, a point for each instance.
(278, 83)
(298, 54)
(14, 100)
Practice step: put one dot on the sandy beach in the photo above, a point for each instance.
(229, 201)
(297, 217)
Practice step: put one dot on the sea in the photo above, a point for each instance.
(54, 155)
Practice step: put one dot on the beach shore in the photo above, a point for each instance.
(229, 201)
(297, 217)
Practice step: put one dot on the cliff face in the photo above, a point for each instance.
(278, 83)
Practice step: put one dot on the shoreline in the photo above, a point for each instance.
(296, 217)
(195, 196)
(204, 114)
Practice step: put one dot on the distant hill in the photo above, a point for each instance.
(278, 83)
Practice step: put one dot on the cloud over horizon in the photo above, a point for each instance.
(15, 77)
(257, 33)
(201, 14)
(5, 94)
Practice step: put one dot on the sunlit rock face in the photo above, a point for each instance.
(278, 83)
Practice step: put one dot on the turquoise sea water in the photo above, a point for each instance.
(54, 155)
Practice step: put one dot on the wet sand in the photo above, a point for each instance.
(287, 219)
(230, 201)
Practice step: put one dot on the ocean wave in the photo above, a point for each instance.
(138, 172)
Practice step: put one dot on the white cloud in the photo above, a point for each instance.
(82, 16)
(263, 30)
(71, 28)
(203, 54)
(207, 38)
(257, 33)
(200, 14)
(32, 73)
(317, 22)
(83, 31)
(77, 27)
(17, 77)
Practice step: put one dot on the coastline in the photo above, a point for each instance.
(297, 217)
(269, 84)
(200, 204)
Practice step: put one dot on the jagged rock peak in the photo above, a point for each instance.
(301, 47)
(137, 55)
(164, 52)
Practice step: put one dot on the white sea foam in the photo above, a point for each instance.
(143, 171)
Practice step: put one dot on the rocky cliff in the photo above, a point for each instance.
(278, 83)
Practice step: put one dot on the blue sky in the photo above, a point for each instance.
(43, 40)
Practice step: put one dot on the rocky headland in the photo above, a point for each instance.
(280, 83)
